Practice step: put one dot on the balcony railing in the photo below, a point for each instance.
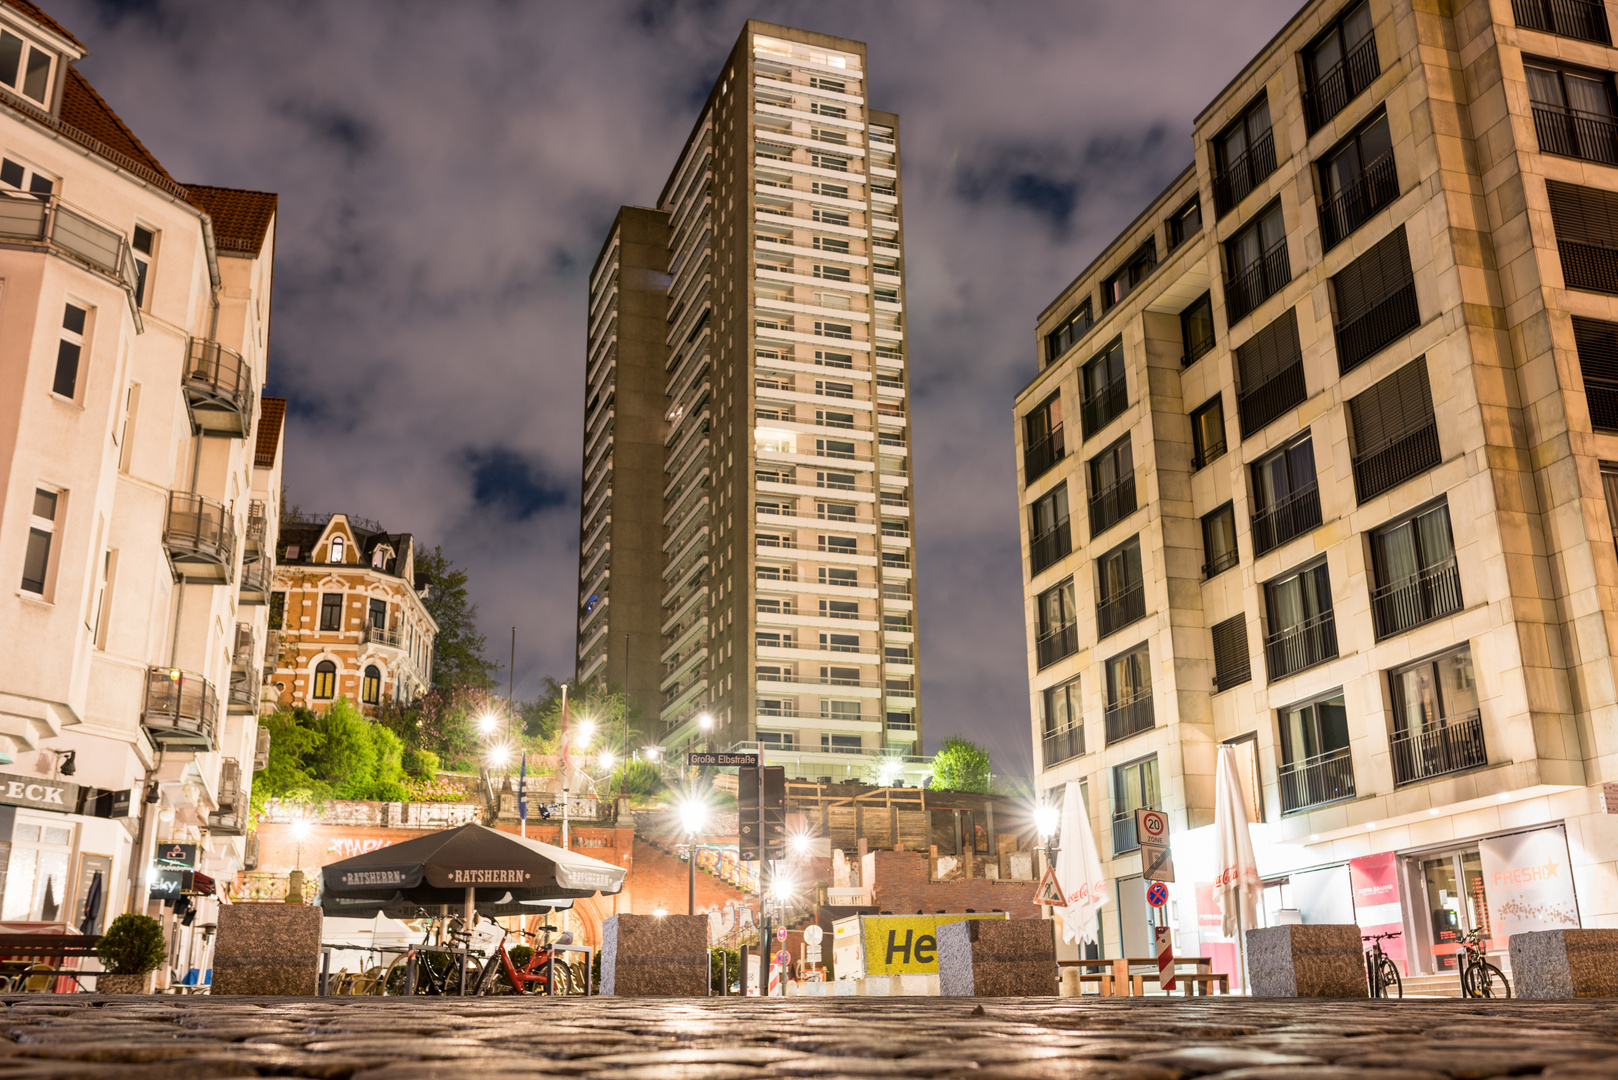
(243, 695)
(1258, 282)
(231, 816)
(1341, 83)
(1211, 452)
(1268, 401)
(1397, 459)
(1572, 133)
(1455, 745)
(1311, 642)
(1220, 563)
(1130, 718)
(181, 710)
(257, 526)
(256, 581)
(1040, 456)
(376, 635)
(1063, 745)
(1588, 266)
(1052, 646)
(200, 538)
(1124, 837)
(1049, 547)
(1244, 173)
(261, 750)
(272, 651)
(1291, 517)
(1112, 505)
(46, 219)
(1100, 410)
(1430, 594)
(1115, 614)
(218, 389)
(1391, 319)
(1318, 780)
(1582, 19)
(1376, 186)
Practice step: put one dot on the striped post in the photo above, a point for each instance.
(1165, 958)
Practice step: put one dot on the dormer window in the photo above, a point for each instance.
(337, 547)
(25, 68)
(381, 556)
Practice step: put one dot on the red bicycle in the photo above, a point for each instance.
(533, 974)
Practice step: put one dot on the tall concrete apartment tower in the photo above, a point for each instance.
(1338, 416)
(785, 592)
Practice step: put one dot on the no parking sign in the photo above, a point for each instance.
(1157, 894)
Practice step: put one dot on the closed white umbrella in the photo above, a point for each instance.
(1236, 881)
(1079, 871)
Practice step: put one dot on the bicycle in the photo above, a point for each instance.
(1380, 970)
(440, 969)
(1479, 978)
(534, 972)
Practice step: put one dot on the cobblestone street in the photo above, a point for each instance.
(665, 1039)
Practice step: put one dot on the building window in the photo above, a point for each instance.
(1067, 333)
(1286, 496)
(1586, 225)
(1374, 301)
(839, 609)
(70, 351)
(1208, 432)
(377, 614)
(1582, 19)
(1062, 723)
(1437, 728)
(371, 685)
(1120, 589)
(1051, 539)
(840, 744)
(144, 248)
(33, 78)
(1573, 112)
(1129, 694)
(1303, 629)
(776, 740)
(36, 566)
(1244, 154)
(1112, 486)
(1042, 438)
(1058, 624)
(278, 610)
(1219, 540)
(1394, 431)
(840, 642)
(1417, 579)
(1197, 329)
(901, 720)
(1597, 346)
(1269, 368)
(37, 874)
(1357, 179)
(325, 680)
(1132, 273)
(839, 710)
(1256, 263)
(331, 611)
(1134, 788)
(1103, 389)
(1338, 65)
(1232, 666)
(338, 549)
(14, 174)
(1186, 223)
(841, 545)
(1315, 764)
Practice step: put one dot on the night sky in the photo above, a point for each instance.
(447, 172)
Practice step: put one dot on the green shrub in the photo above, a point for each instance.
(420, 764)
(132, 945)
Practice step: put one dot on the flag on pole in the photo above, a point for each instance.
(1079, 870)
(522, 789)
(562, 733)
(1236, 884)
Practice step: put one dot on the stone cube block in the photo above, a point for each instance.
(645, 956)
(1564, 963)
(1314, 961)
(267, 949)
(997, 958)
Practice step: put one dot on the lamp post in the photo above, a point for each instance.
(692, 814)
(1046, 820)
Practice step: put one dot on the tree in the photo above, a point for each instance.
(337, 754)
(962, 765)
(458, 658)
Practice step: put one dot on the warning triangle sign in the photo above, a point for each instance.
(1049, 891)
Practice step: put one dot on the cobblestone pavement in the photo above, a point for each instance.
(145, 1038)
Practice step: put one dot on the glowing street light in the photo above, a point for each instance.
(800, 843)
(659, 911)
(652, 753)
(584, 733)
(781, 887)
(1046, 818)
(606, 760)
(692, 814)
(705, 722)
(488, 722)
(499, 755)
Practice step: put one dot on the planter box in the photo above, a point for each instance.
(1320, 961)
(108, 983)
(1565, 963)
(644, 956)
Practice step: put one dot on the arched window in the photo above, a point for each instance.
(325, 680)
(337, 549)
(371, 686)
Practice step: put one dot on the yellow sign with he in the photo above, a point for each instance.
(907, 944)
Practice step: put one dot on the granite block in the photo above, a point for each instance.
(1313, 961)
(997, 958)
(1565, 963)
(267, 949)
(647, 956)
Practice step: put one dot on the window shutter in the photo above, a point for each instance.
(1586, 224)
(1231, 664)
(1373, 277)
(1597, 344)
(1394, 407)
(1269, 352)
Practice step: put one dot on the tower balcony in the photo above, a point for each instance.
(218, 389)
(200, 538)
(181, 710)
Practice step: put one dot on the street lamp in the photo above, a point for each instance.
(605, 760)
(800, 843)
(692, 815)
(1046, 820)
(586, 731)
(488, 722)
(499, 756)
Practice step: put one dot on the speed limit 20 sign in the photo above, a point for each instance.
(1152, 828)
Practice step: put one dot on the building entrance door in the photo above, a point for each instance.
(1455, 904)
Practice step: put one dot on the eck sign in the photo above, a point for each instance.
(183, 856)
(39, 793)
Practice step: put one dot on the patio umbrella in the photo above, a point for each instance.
(92, 905)
(1079, 871)
(1236, 883)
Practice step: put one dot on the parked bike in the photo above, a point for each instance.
(440, 969)
(502, 975)
(1380, 970)
(1479, 978)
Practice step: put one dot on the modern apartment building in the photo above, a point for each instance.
(134, 325)
(785, 593)
(347, 617)
(1337, 417)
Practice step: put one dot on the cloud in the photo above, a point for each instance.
(447, 173)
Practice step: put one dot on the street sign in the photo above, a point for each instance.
(699, 758)
(781, 933)
(1157, 894)
(813, 934)
(180, 855)
(811, 954)
(1049, 892)
(1152, 829)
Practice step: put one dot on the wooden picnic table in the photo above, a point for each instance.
(23, 956)
(1116, 980)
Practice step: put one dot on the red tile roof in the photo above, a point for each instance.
(89, 112)
(241, 219)
(33, 12)
(273, 411)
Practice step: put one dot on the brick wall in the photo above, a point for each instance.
(902, 884)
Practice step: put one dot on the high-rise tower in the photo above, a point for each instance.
(787, 587)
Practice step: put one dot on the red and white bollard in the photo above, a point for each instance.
(1165, 958)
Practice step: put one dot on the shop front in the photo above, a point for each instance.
(56, 861)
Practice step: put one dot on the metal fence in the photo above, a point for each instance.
(1292, 516)
(1301, 646)
(1455, 744)
(1430, 594)
(1321, 779)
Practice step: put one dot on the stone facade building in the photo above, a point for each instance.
(347, 616)
(1337, 417)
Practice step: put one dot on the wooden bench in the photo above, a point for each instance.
(22, 956)
(1202, 978)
